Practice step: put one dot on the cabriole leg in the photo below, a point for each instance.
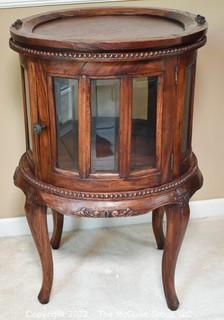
(37, 219)
(157, 226)
(177, 220)
(58, 220)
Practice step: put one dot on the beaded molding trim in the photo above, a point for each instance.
(102, 195)
(105, 56)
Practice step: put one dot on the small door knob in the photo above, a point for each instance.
(38, 127)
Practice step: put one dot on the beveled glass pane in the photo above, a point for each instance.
(187, 107)
(66, 104)
(27, 105)
(143, 135)
(105, 125)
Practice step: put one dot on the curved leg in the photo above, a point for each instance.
(177, 220)
(157, 226)
(37, 219)
(58, 220)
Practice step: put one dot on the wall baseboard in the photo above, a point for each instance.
(199, 210)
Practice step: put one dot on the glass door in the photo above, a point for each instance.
(106, 128)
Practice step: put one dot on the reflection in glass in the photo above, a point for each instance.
(105, 125)
(27, 105)
(143, 145)
(187, 107)
(66, 101)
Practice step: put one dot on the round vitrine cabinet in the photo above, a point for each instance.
(108, 103)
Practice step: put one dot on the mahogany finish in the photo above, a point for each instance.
(82, 46)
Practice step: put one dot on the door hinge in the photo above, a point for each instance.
(176, 74)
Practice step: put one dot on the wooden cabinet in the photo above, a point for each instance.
(108, 104)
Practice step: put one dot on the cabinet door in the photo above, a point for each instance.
(105, 125)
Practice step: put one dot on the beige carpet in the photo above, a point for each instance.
(115, 274)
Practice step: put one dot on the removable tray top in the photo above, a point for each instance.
(110, 28)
